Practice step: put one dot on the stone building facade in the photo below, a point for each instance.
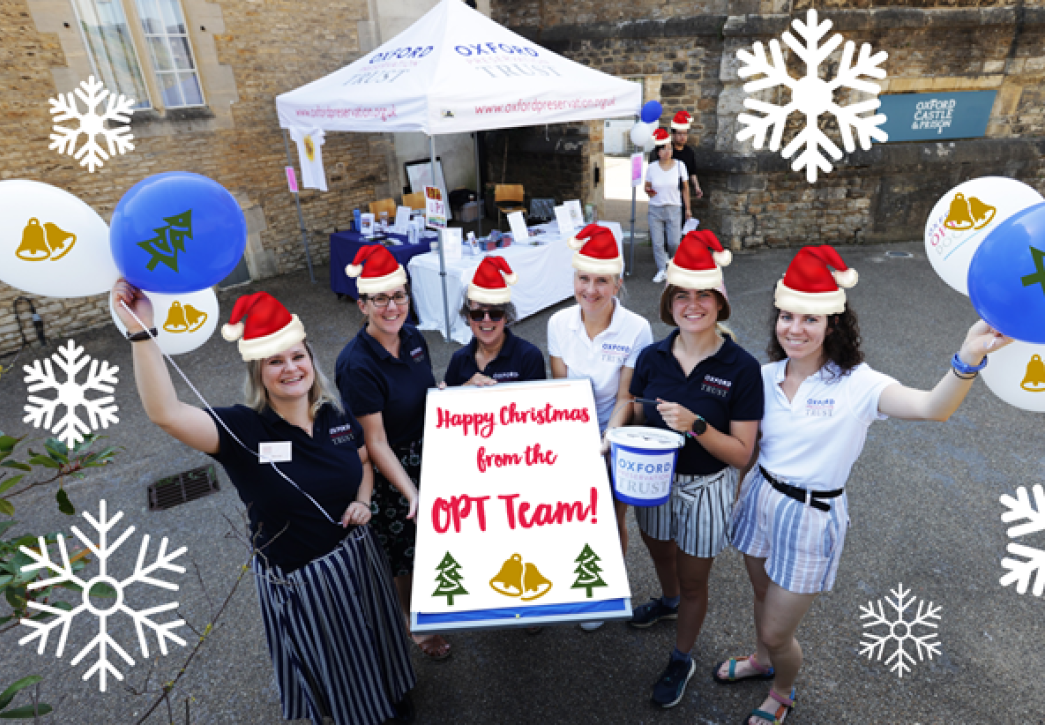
(685, 53)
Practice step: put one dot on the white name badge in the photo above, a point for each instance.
(274, 452)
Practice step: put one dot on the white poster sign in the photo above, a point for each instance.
(435, 208)
(515, 511)
(565, 219)
(576, 213)
(520, 234)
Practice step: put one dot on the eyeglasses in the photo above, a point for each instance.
(382, 301)
(495, 315)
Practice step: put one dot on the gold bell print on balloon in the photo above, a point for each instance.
(40, 243)
(1034, 380)
(176, 321)
(982, 214)
(959, 218)
(195, 318)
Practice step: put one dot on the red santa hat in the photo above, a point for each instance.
(810, 288)
(489, 284)
(269, 329)
(682, 121)
(698, 262)
(597, 251)
(660, 137)
(377, 269)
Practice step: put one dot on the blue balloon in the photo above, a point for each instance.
(1007, 276)
(651, 112)
(177, 232)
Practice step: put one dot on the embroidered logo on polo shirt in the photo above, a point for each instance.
(614, 353)
(417, 354)
(824, 408)
(716, 386)
(505, 376)
(342, 434)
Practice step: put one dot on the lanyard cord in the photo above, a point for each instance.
(218, 418)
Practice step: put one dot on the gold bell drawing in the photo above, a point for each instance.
(959, 218)
(183, 318)
(1034, 379)
(34, 246)
(509, 580)
(535, 586)
(982, 214)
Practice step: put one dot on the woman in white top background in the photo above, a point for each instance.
(820, 399)
(666, 201)
(598, 339)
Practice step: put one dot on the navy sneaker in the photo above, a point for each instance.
(652, 612)
(671, 686)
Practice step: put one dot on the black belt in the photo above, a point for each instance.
(802, 494)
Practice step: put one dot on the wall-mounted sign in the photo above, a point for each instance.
(936, 116)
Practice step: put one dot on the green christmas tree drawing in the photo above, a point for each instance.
(449, 580)
(588, 571)
(169, 240)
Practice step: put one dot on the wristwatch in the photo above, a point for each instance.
(699, 426)
(142, 335)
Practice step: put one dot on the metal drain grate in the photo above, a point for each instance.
(899, 255)
(182, 488)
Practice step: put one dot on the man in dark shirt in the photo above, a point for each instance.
(680, 150)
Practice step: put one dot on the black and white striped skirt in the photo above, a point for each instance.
(336, 635)
(697, 515)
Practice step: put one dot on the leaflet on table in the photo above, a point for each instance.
(366, 224)
(518, 226)
(576, 213)
(402, 222)
(565, 219)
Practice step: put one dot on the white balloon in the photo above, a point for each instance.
(183, 321)
(964, 216)
(641, 133)
(52, 243)
(1016, 374)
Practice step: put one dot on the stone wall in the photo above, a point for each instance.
(248, 53)
(752, 198)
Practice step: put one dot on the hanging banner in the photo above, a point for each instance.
(515, 525)
(435, 208)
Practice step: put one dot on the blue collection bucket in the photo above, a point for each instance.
(643, 464)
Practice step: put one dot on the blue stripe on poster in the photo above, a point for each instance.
(606, 606)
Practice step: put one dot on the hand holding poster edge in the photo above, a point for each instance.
(511, 492)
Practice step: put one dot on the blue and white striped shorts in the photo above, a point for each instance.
(696, 516)
(801, 545)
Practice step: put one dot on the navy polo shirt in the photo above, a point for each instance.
(725, 387)
(372, 380)
(326, 465)
(517, 361)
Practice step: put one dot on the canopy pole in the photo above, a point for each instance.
(478, 184)
(631, 236)
(442, 244)
(301, 218)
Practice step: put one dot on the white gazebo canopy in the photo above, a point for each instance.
(455, 71)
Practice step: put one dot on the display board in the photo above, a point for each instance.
(515, 522)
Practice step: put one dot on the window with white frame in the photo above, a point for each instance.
(123, 37)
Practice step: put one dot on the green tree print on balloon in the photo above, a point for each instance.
(169, 240)
(449, 580)
(588, 571)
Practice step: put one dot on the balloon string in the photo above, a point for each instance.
(220, 421)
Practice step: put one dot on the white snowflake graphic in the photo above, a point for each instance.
(70, 428)
(64, 573)
(900, 630)
(1022, 572)
(812, 96)
(92, 93)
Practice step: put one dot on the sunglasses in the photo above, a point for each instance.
(478, 315)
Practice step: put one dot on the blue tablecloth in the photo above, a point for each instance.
(343, 248)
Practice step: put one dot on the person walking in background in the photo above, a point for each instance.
(666, 186)
(820, 399)
(299, 462)
(384, 372)
(682, 151)
(709, 389)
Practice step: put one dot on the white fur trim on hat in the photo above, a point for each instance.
(376, 285)
(696, 279)
(486, 296)
(845, 279)
(354, 270)
(809, 303)
(232, 332)
(262, 347)
(591, 265)
(723, 258)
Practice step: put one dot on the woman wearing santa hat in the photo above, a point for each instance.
(820, 398)
(297, 458)
(384, 373)
(668, 191)
(597, 338)
(709, 389)
(494, 354)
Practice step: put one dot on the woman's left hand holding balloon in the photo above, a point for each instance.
(124, 293)
(979, 341)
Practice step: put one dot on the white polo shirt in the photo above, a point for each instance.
(600, 360)
(814, 440)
